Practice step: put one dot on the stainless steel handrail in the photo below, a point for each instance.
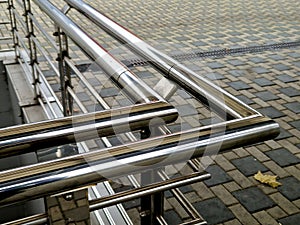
(72, 172)
(134, 87)
(200, 87)
(29, 137)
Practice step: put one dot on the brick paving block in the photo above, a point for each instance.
(172, 217)
(276, 212)
(290, 220)
(293, 106)
(284, 203)
(276, 169)
(243, 215)
(266, 95)
(253, 199)
(263, 82)
(178, 208)
(257, 153)
(283, 157)
(260, 70)
(199, 43)
(233, 222)
(249, 165)
(245, 99)
(271, 112)
(240, 178)
(290, 188)
(224, 163)
(214, 211)
(290, 91)
(218, 176)
(239, 85)
(232, 186)
(264, 218)
(286, 78)
(224, 195)
(202, 190)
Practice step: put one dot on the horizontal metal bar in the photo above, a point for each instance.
(121, 197)
(30, 137)
(134, 87)
(68, 173)
(201, 88)
(30, 220)
(147, 190)
(86, 83)
(195, 222)
(42, 30)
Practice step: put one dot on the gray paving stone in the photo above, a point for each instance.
(237, 73)
(271, 112)
(236, 62)
(286, 78)
(260, 70)
(214, 211)
(55, 87)
(296, 64)
(290, 188)
(83, 96)
(106, 92)
(183, 94)
(276, 57)
(94, 81)
(218, 176)
(293, 106)
(283, 134)
(144, 74)
(245, 99)
(253, 199)
(263, 82)
(266, 95)
(257, 59)
(290, 220)
(179, 127)
(249, 165)
(215, 65)
(239, 85)
(172, 217)
(283, 157)
(199, 43)
(186, 110)
(281, 67)
(214, 76)
(295, 124)
(290, 91)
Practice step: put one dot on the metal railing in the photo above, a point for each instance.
(242, 126)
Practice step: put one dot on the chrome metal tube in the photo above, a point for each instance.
(30, 137)
(201, 88)
(134, 87)
(69, 173)
(146, 190)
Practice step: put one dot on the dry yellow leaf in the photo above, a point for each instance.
(267, 179)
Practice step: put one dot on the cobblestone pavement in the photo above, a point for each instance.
(268, 81)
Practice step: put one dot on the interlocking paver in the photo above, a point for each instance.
(249, 165)
(214, 211)
(283, 157)
(290, 188)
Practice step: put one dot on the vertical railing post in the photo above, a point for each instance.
(32, 47)
(13, 24)
(64, 70)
